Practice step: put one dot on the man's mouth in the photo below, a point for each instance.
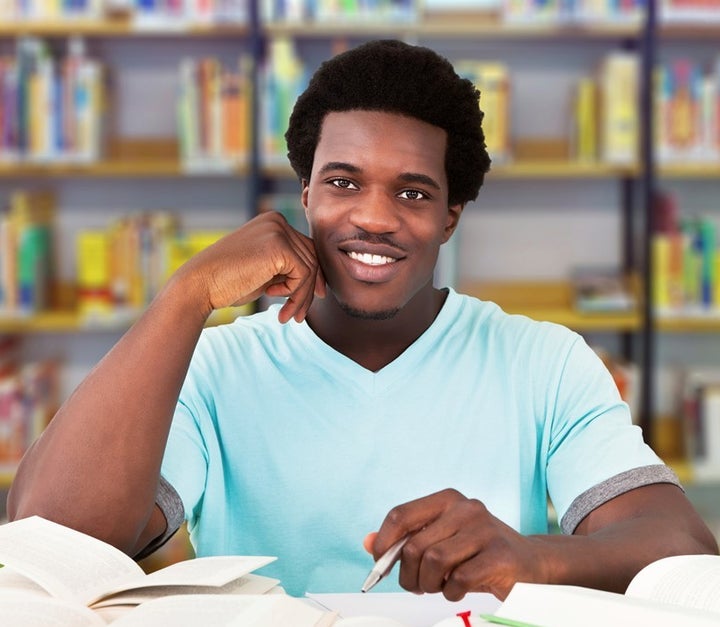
(370, 259)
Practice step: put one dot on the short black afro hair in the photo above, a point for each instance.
(392, 76)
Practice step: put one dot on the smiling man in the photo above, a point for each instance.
(389, 403)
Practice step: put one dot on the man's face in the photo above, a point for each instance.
(377, 207)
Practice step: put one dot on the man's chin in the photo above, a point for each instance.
(368, 314)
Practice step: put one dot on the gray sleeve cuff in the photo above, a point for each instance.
(612, 487)
(169, 502)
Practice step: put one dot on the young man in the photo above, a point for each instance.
(385, 394)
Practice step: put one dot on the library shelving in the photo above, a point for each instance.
(128, 159)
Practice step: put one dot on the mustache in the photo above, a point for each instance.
(371, 238)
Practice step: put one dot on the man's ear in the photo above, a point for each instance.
(451, 222)
(304, 196)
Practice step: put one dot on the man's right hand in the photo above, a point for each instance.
(264, 256)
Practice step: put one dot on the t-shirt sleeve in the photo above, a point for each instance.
(184, 464)
(615, 486)
(592, 442)
(168, 500)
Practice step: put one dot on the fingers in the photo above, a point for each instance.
(369, 541)
(411, 517)
(455, 546)
(303, 278)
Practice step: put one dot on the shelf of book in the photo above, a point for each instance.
(114, 28)
(692, 30)
(63, 321)
(550, 301)
(471, 26)
(465, 25)
(689, 323)
(73, 320)
(126, 158)
(690, 170)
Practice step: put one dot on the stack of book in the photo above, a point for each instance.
(214, 114)
(50, 107)
(26, 253)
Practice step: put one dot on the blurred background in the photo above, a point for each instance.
(133, 133)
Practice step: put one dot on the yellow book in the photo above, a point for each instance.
(660, 249)
(36, 122)
(492, 81)
(93, 263)
(716, 285)
(199, 240)
(93, 271)
(8, 262)
(181, 248)
(586, 120)
(620, 118)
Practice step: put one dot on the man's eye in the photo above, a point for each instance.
(343, 183)
(413, 194)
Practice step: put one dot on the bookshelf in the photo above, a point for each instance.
(132, 159)
(116, 27)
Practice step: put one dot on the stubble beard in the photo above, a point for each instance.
(363, 314)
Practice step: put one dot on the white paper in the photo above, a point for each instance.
(409, 609)
(572, 606)
(21, 611)
(688, 580)
(248, 584)
(68, 564)
(226, 611)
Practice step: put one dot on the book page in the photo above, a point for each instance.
(687, 580)
(214, 571)
(18, 584)
(572, 606)
(248, 584)
(231, 611)
(21, 611)
(68, 564)
(406, 608)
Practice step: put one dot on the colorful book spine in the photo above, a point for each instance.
(687, 106)
(284, 78)
(585, 131)
(213, 113)
(493, 82)
(28, 399)
(93, 272)
(685, 261)
(619, 130)
(51, 109)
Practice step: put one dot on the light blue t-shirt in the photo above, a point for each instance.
(282, 446)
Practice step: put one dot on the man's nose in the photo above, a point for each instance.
(376, 212)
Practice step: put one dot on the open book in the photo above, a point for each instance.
(51, 570)
(682, 590)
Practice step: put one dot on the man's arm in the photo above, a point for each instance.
(96, 467)
(457, 546)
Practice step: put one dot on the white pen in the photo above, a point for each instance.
(384, 565)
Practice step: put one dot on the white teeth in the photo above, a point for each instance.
(371, 260)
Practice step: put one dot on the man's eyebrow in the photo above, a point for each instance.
(407, 177)
(414, 177)
(339, 165)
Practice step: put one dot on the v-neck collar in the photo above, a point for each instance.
(342, 368)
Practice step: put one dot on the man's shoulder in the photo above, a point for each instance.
(492, 317)
(257, 329)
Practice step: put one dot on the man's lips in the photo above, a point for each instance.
(371, 263)
(371, 259)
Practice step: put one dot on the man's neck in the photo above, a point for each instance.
(374, 343)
